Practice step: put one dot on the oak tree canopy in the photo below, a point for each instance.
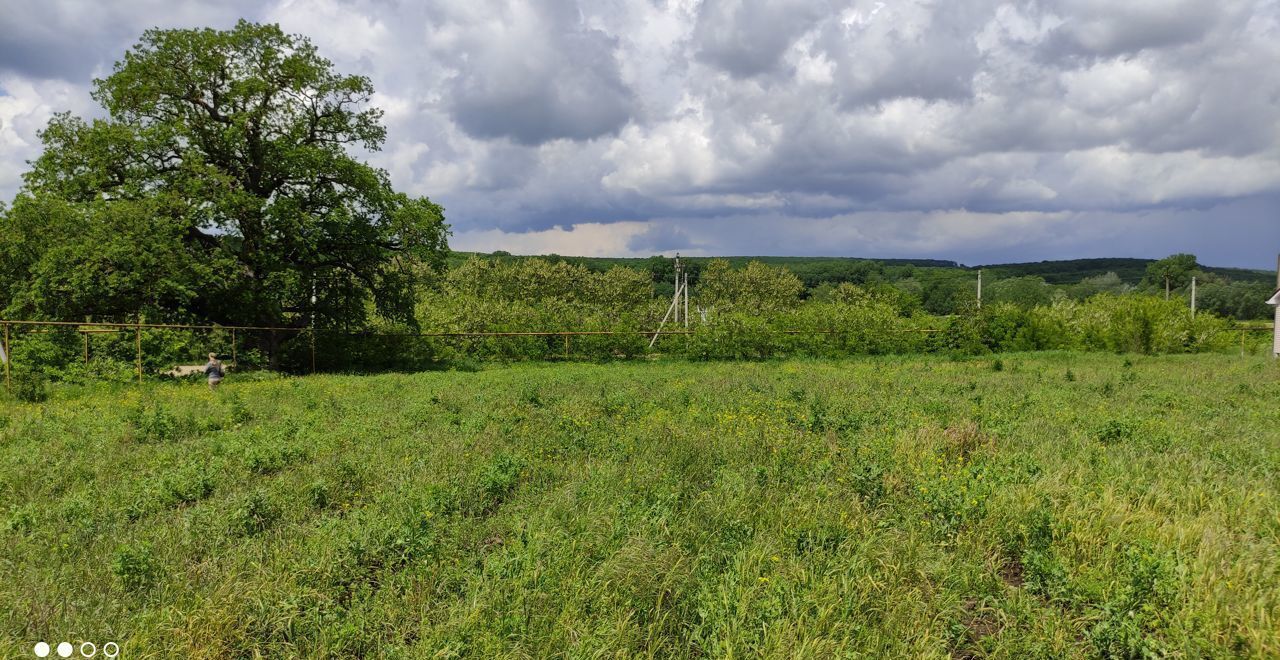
(224, 184)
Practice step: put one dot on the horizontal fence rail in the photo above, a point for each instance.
(92, 327)
(87, 328)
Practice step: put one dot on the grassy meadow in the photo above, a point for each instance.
(1047, 505)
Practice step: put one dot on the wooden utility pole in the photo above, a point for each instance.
(678, 291)
(979, 288)
(674, 306)
(686, 300)
(1166, 287)
(1193, 297)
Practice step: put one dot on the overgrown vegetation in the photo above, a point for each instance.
(885, 507)
(752, 313)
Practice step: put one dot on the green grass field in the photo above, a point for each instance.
(1036, 505)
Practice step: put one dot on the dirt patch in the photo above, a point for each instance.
(979, 623)
(1012, 573)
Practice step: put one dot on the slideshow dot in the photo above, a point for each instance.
(64, 649)
(41, 649)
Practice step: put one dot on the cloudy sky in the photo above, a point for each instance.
(974, 130)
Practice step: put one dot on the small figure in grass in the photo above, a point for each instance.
(213, 369)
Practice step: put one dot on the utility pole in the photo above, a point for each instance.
(686, 300)
(675, 304)
(313, 324)
(1166, 287)
(678, 291)
(1193, 297)
(979, 288)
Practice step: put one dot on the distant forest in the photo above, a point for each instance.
(1237, 293)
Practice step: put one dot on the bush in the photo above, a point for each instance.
(30, 385)
(732, 336)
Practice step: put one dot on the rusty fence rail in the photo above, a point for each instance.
(86, 328)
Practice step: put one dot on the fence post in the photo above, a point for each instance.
(8, 358)
(566, 347)
(137, 340)
(86, 346)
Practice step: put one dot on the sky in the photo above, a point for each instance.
(971, 130)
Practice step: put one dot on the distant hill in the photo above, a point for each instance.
(1130, 271)
(817, 270)
(604, 263)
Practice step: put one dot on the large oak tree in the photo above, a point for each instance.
(221, 185)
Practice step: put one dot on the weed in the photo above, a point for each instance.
(255, 514)
(152, 422)
(271, 459)
(498, 479)
(239, 412)
(822, 538)
(190, 483)
(1131, 620)
(136, 566)
(20, 519)
(867, 480)
(1116, 431)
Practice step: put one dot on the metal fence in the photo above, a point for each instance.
(87, 328)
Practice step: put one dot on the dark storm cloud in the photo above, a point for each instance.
(73, 40)
(746, 38)
(977, 130)
(1108, 29)
(578, 102)
(548, 76)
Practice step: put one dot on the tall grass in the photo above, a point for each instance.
(884, 507)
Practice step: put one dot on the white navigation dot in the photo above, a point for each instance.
(41, 649)
(64, 649)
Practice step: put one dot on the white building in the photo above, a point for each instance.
(1274, 300)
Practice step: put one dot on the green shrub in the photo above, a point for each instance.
(152, 422)
(1135, 613)
(498, 479)
(1116, 431)
(268, 459)
(30, 385)
(730, 336)
(188, 484)
(136, 566)
(255, 514)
